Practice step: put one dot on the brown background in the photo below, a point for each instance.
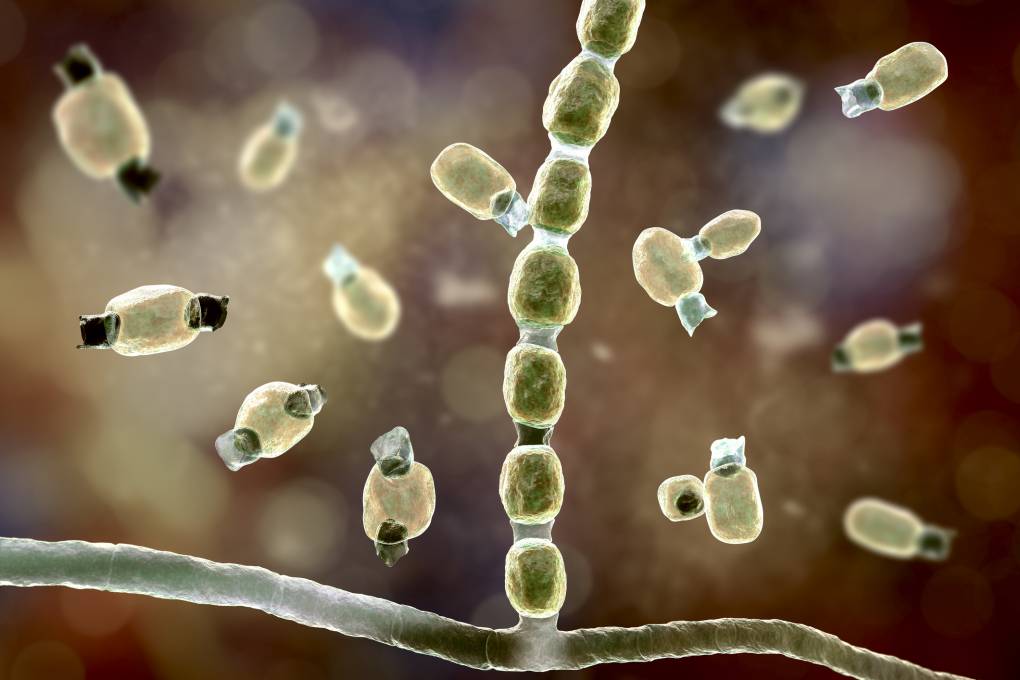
(910, 215)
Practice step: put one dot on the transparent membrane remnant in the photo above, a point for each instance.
(728, 451)
(859, 97)
(516, 216)
(393, 452)
(340, 266)
(693, 309)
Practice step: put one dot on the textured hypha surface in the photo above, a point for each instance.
(731, 233)
(267, 158)
(581, 102)
(472, 179)
(682, 498)
(664, 266)
(545, 287)
(408, 499)
(872, 346)
(152, 319)
(909, 73)
(367, 305)
(882, 527)
(531, 484)
(609, 27)
(732, 504)
(101, 126)
(263, 411)
(535, 579)
(560, 195)
(534, 385)
(767, 103)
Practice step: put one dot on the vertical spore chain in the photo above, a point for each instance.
(544, 295)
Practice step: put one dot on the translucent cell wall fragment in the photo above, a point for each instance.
(732, 502)
(894, 531)
(581, 102)
(152, 319)
(531, 484)
(269, 153)
(765, 104)
(393, 452)
(366, 304)
(560, 195)
(534, 385)
(609, 27)
(545, 287)
(875, 346)
(898, 79)
(271, 420)
(471, 179)
(681, 498)
(535, 578)
(731, 233)
(397, 508)
(100, 125)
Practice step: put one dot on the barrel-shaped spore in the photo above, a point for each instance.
(545, 287)
(152, 320)
(408, 500)
(270, 152)
(100, 125)
(272, 419)
(534, 385)
(732, 502)
(681, 498)
(560, 195)
(765, 104)
(899, 78)
(363, 300)
(609, 27)
(531, 484)
(876, 345)
(665, 266)
(470, 178)
(894, 531)
(731, 233)
(535, 578)
(581, 102)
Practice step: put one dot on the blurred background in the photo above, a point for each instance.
(910, 215)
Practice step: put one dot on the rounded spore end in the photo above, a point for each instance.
(909, 73)
(287, 120)
(609, 27)
(136, 179)
(211, 312)
(473, 180)
(860, 96)
(535, 578)
(728, 451)
(531, 485)
(78, 66)
(340, 266)
(934, 543)
(693, 309)
(681, 498)
(910, 339)
(238, 448)
(393, 452)
(95, 330)
(390, 553)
